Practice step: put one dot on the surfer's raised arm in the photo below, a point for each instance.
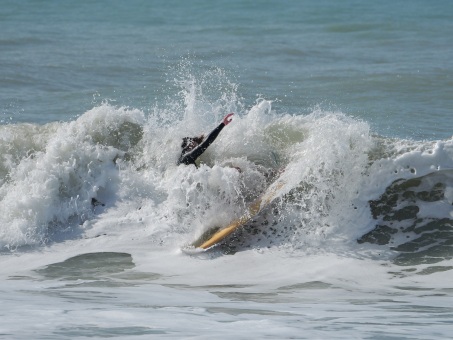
(193, 147)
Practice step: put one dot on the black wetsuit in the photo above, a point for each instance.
(191, 156)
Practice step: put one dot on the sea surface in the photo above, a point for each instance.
(348, 103)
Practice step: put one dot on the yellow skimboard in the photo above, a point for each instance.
(214, 236)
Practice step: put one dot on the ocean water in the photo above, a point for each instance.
(349, 103)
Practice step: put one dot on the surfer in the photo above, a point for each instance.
(193, 147)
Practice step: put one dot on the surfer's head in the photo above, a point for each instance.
(190, 143)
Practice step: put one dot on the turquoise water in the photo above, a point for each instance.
(352, 99)
(388, 62)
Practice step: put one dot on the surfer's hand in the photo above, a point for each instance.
(227, 119)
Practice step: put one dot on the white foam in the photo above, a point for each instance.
(57, 183)
(326, 156)
(333, 167)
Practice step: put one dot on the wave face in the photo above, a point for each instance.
(347, 189)
(415, 217)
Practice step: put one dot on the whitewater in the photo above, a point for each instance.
(359, 237)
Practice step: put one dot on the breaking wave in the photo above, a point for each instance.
(345, 187)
